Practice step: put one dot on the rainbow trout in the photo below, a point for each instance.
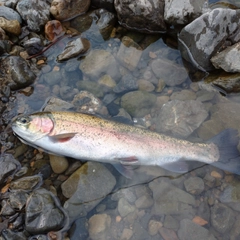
(87, 137)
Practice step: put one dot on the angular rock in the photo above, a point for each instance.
(181, 118)
(206, 35)
(182, 11)
(138, 103)
(74, 48)
(99, 62)
(143, 16)
(35, 13)
(85, 188)
(171, 73)
(153, 227)
(129, 53)
(222, 218)
(228, 59)
(189, 230)
(63, 10)
(43, 212)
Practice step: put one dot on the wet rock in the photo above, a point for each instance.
(105, 22)
(43, 213)
(53, 77)
(9, 234)
(90, 86)
(204, 96)
(172, 73)
(189, 230)
(183, 11)
(63, 10)
(171, 222)
(86, 102)
(6, 208)
(129, 53)
(144, 16)
(74, 48)
(56, 104)
(107, 82)
(126, 234)
(171, 200)
(194, 185)
(168, 234)
(36, 14)
(27, 183)
(153, 227)
(53, 30)
(8, 166)
(144, 201)
(181, 118)
(138, 103)
(222, 218)
(124, 207)
(67, 93)
(183, 95)
(11, 26)
(219, 25)
(145, 85)
(9, 14)
(126, 84)
(59, 164)
(18, 73)
(18, 199)
(228, 59)
(99, 62)
(229, 82)
(99, 225)
(33, 46)
(85, 188)
(106, 4)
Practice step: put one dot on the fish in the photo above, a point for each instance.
(88, 137)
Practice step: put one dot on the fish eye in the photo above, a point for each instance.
(23, 120)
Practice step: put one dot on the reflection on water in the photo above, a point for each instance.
(134, 80)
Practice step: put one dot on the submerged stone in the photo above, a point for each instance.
(85, 188)
(138, 103)
(180, 118)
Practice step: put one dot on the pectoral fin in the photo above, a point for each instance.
(126, 166)
(62, 137)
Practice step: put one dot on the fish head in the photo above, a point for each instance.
(32, 127)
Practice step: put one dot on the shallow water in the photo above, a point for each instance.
(155, 203)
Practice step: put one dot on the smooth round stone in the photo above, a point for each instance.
(59, 164)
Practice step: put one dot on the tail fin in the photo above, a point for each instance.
(227, 142)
